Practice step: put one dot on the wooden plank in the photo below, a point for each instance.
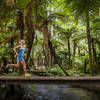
(50, 80)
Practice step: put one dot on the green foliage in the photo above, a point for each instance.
(72, 73)
(22, 3)
(58, 70)
(12, 74)
(5, 51)
(61, 15)
(83, 7)
(95, 27)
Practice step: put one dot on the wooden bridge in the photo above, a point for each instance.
(49, 80)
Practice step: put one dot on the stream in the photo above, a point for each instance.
(45, 92)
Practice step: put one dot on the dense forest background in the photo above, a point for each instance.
(63, 36)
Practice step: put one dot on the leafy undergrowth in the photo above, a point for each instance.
(12, 74)
(55, 71)
(59, 72)
(75, 73)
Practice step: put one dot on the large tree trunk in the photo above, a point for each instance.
(89, 44)
(95, 57)
(46, 36)
(56, 58)
(48, 43)
(30, 44)
(21, 27)
(29, 27)
(79, 51)
(32, 58)
(46, 63)
(12, 45)
(4, 60)
(85, 65)
(74, 52)
(22, 32)
(69, 54)
(20, 24)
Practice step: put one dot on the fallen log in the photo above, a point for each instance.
(87, 80)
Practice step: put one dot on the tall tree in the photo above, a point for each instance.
(84, 9)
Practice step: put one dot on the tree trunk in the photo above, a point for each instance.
(52, 51)
(28, 24)
(46, 63)
(51, 60)
(12, 54)
(48, 43)
(79, 51)
(95, 57)
(89, 44)
(4, 59)
(32, 62)
(85, 65)
(32, 58)
(20, 24)
(22, 32)
(30, 44)
(69, 50)
(22, 27)
(74, 52)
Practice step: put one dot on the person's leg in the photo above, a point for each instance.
(15, 65)
(24, 66)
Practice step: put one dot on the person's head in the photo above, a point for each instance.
(22, 42)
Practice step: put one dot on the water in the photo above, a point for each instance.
(45, 92)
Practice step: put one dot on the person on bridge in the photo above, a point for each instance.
(20, 54)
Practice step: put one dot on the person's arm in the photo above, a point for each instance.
(16, 48)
